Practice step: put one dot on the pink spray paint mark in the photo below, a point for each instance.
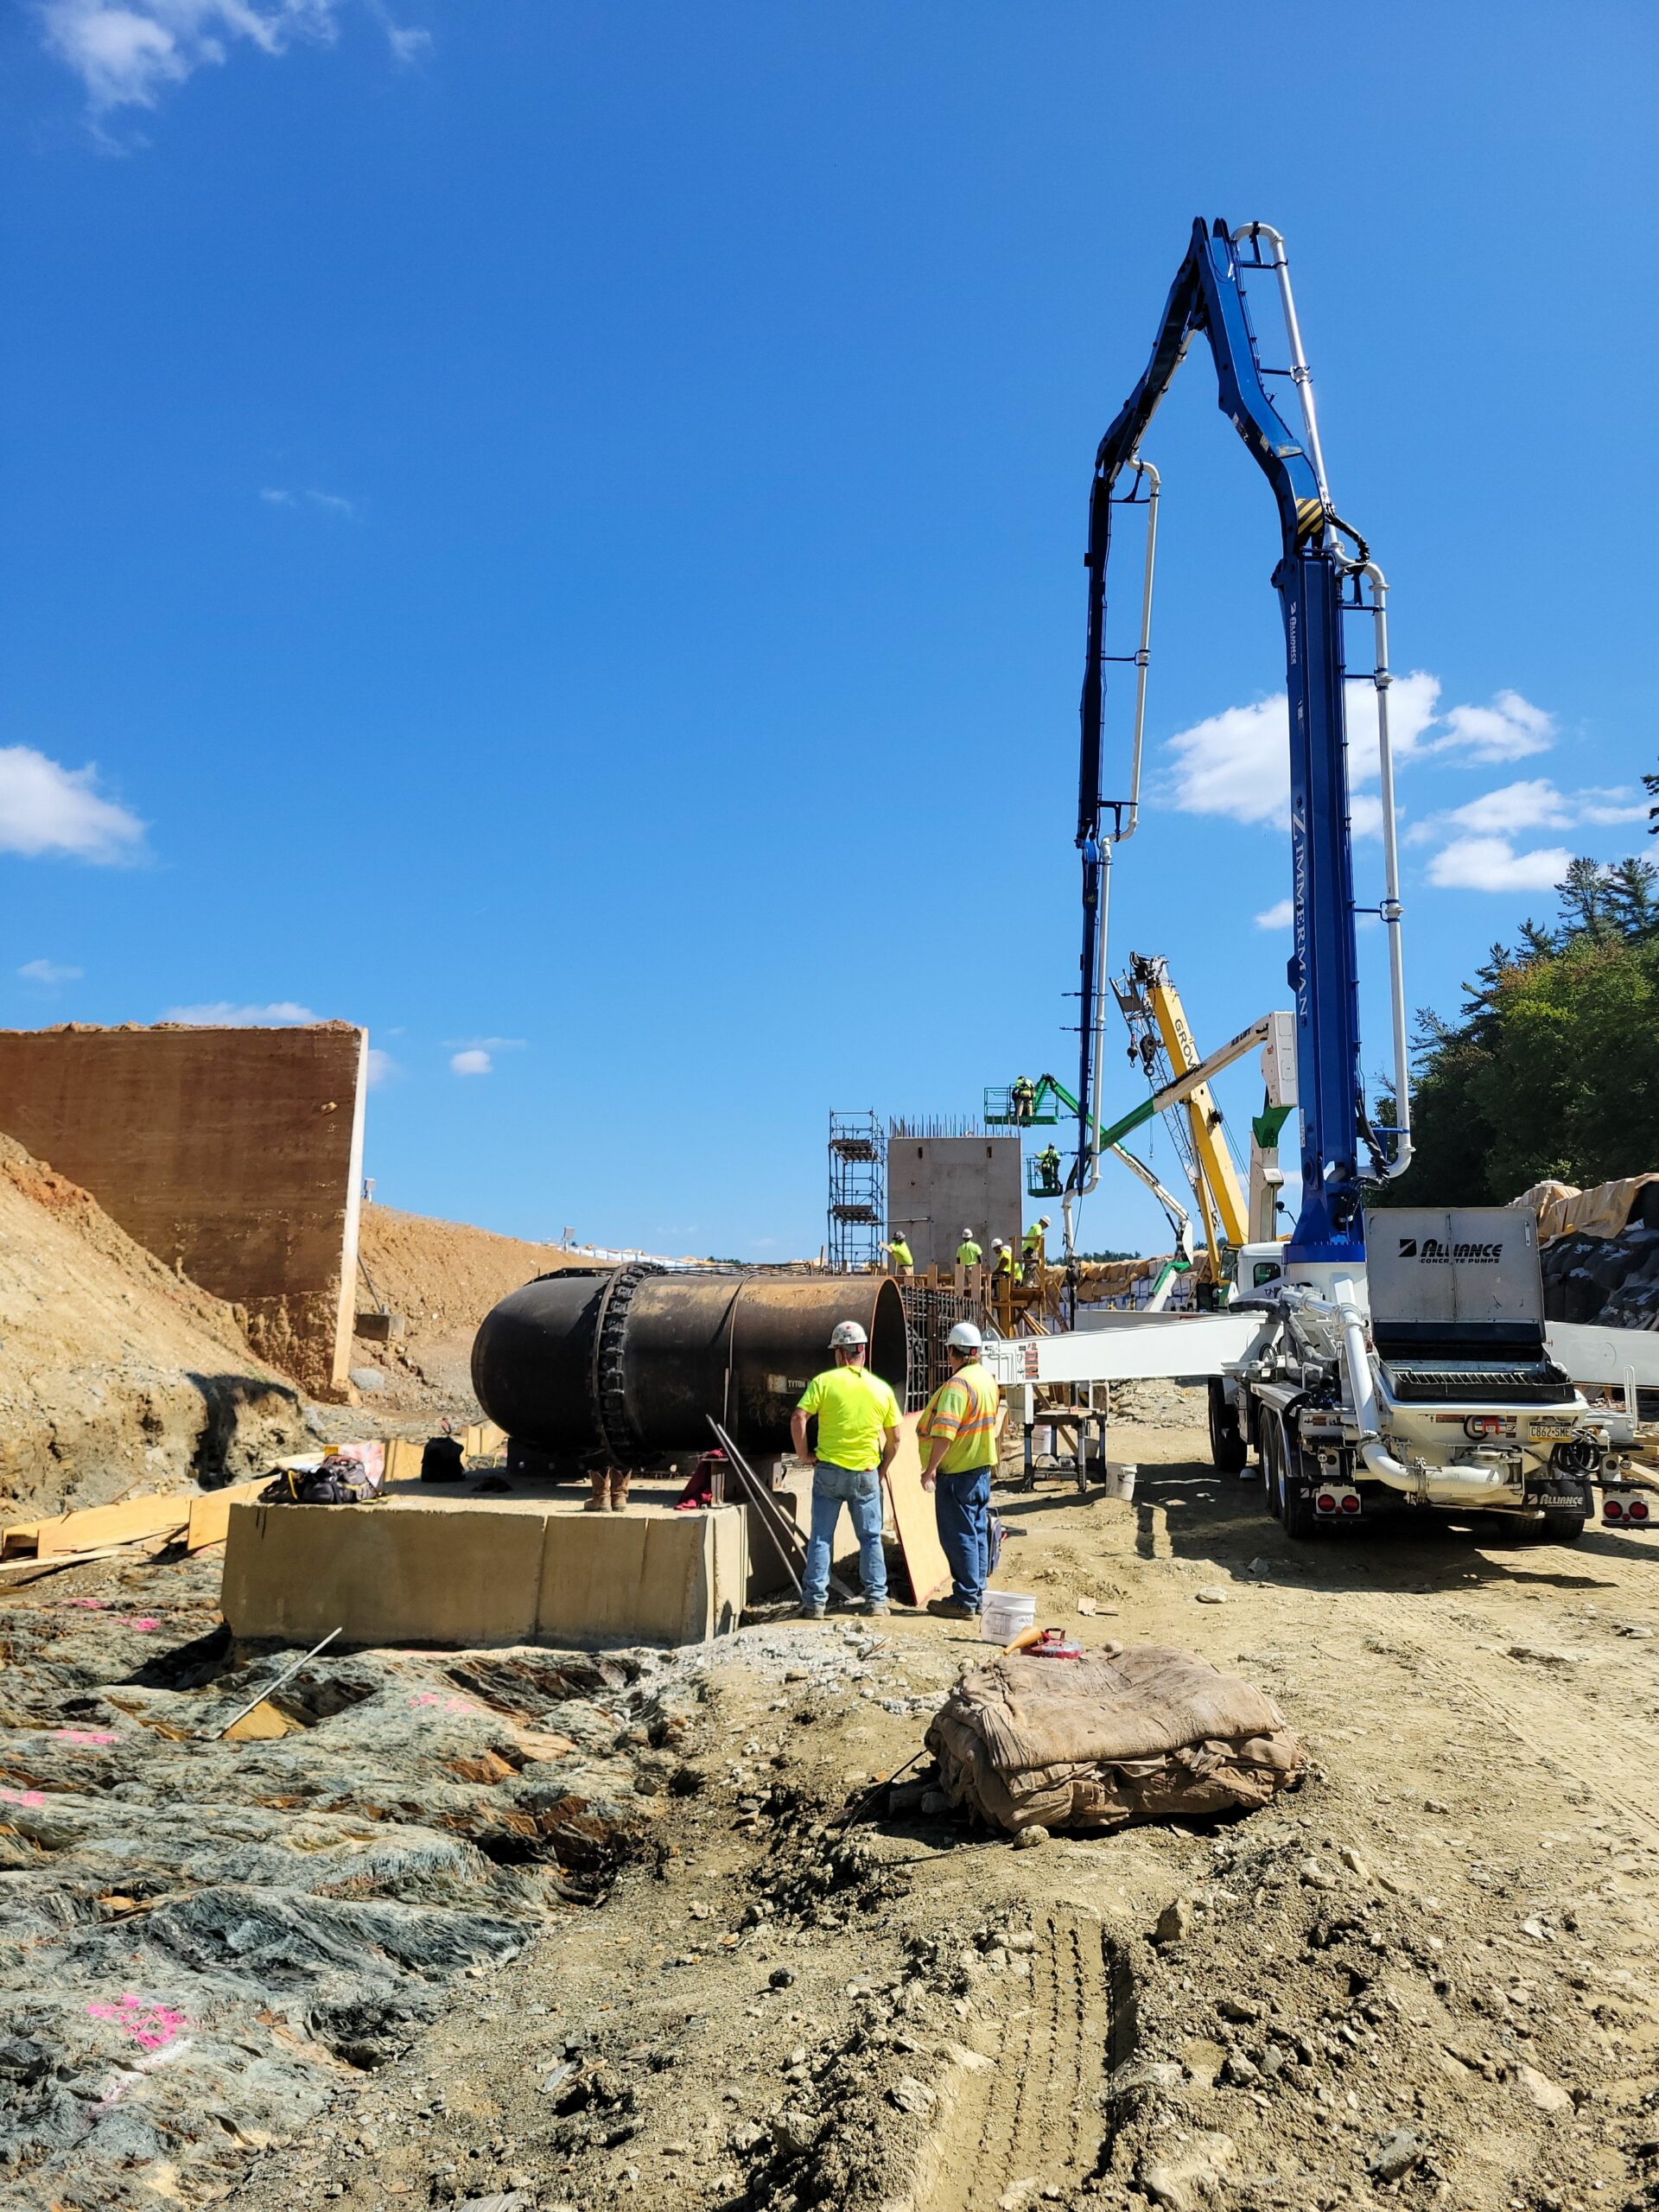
(142, 1622)
(450, 1704)
(84, 1735)
(23, 1796)
(89, 1605)
(152, 2027)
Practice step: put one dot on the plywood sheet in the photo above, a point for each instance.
(111, 1524)
(210, 1515)
(913, 1518)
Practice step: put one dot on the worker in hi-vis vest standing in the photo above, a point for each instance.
(858, 1435)
(968, 1252)
(900, 1258)
(959, 1433)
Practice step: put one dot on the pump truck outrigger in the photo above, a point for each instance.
(1425, 1375)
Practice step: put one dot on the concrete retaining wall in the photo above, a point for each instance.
(234, 1155)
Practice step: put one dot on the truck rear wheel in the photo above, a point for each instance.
(1227, 1449)
(1267, 1442)
(1562, 1528)
(1294, 1507)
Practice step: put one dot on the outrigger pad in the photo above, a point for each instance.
(1118, 1736)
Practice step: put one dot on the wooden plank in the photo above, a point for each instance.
(403, 1459)
(113, 1524)
(18, 1540)
(483, 1440)
(912, 1517)
(210, 1515)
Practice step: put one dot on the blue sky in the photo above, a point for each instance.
(554, 531)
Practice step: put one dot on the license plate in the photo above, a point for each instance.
(1549, 1432)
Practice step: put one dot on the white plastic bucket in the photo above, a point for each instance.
(1119, 1480)
(1005, 1614)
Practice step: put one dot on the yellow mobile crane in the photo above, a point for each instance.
(1162, 1042)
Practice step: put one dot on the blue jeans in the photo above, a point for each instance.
(961, 1506)
(860, 1493)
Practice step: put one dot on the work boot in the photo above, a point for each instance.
(807, 1612)
(952, 1609)
(601, 1483)
(876, 1606)
(619, 1490)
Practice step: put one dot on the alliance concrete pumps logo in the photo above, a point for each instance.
(1434, 1253)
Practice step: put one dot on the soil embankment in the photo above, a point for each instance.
(115, 1373)
(442, 1277)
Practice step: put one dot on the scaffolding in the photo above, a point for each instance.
(858, 1176)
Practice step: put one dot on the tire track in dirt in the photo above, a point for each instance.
(1035, 2114)
(1562, 1734)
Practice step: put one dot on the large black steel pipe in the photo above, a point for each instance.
(629, 1363)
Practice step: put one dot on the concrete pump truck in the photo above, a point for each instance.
(1397, 1351)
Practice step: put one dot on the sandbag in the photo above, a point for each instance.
(1118, 1736)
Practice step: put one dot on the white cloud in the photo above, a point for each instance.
(127, 53)
(1277, 917)
(1413, 701)
(473, 1061)
(483, 1044)
(1509, 729)
(1237, 763)
(1533, 804)
(329, 503)
(1492, 864)
(224, 1014)
(49, 971)
(380, 1068)
(46, 808)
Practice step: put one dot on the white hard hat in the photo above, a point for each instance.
(996, 1243)
(1042, 1221)
(967, 1232)
(964, 1338)
(846, 1333)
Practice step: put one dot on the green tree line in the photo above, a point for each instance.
(1552, 1068)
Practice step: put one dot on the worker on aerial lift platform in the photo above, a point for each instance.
(1048, 1167)
(1022, 1098)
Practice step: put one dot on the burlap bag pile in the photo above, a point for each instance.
(1118, 1736)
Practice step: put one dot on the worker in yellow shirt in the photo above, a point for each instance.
(968, 1252)
(1034, 1243)
(858, 1433)
(959, 1435)
(1002, 1264)
(900, 1256)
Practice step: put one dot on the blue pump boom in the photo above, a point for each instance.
(1315, 565)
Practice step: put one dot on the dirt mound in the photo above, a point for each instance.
(442, 1277)
(115, 1372)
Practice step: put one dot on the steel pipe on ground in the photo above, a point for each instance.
(629, 1363)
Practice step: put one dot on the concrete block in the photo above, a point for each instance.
(379, 1328)
(471, 1572)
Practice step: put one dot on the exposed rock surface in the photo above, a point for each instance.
(236, 1924)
